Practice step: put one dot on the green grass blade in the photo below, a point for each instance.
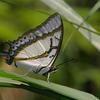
(65, 10)
(8, 79)
(93, 10)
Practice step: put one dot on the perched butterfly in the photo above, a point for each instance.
(38, 48)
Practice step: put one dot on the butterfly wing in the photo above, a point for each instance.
(38, 48)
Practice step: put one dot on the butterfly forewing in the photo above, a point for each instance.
(39, 48)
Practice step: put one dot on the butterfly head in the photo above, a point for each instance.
(5, 53)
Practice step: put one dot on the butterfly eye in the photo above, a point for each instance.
(11, 53)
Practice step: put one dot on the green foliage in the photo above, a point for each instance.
(18, 16)
(42, 87)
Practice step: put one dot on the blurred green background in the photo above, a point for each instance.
(18, 16)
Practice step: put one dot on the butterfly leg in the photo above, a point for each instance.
(15, 64)
(48, 77)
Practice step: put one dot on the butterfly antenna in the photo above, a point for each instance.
(66, 61)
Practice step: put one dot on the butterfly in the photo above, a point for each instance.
(38, 48)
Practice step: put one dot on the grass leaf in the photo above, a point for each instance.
(65, 10)
(8, 79)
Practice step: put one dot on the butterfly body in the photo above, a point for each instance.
(39, 47)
